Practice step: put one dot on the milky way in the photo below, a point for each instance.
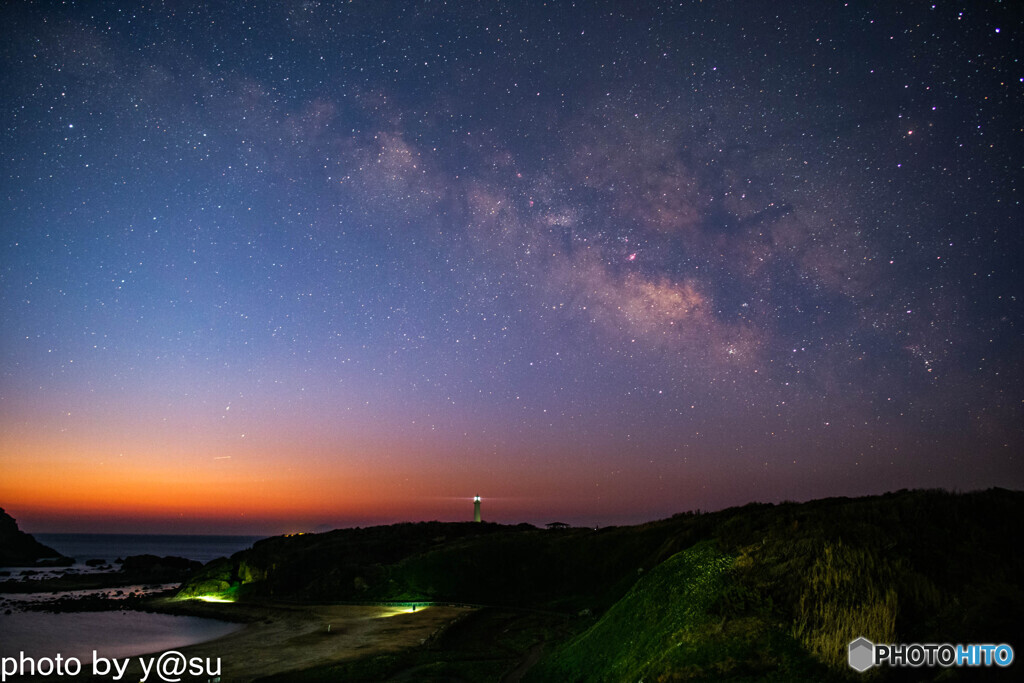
(595, 262)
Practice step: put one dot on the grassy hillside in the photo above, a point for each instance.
(336, 565)
(760, 592)
(663, 623)
(518, 566)
(781, 590)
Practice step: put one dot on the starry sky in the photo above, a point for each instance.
(269, 266)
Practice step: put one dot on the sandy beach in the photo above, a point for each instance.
(298, 637)
(283, 637)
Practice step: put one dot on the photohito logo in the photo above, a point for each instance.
(863, 654)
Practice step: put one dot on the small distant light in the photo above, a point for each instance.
(998, 30)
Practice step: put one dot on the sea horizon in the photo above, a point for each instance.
(113, 546)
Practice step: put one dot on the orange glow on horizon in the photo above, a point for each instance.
(54, 483)
(48, 477)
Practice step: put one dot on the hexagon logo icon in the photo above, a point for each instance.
(862, 654)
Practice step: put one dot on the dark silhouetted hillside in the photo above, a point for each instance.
(18, 549)
(760, 592)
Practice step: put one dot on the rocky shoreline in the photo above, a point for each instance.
(19, 549)
(135, 583)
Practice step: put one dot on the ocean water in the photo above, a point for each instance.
(110, 547)
(110, 634)
(117, 633)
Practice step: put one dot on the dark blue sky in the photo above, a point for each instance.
(595, 262)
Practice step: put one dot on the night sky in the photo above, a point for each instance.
(268, 266)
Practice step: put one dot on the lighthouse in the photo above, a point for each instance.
(476, 509)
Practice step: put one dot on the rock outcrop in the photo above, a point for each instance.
(18, 549)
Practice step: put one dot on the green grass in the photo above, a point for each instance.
(761, 592)
(669, 627)
(849, 592)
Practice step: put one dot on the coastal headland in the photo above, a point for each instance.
(759, 592)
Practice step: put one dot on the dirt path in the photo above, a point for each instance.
(307, 636)
(532, 657)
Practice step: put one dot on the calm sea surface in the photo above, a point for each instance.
(110, 547)
(110, 634)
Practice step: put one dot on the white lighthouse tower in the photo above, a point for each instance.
(476, 509)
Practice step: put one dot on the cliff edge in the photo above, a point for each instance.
(18, 549)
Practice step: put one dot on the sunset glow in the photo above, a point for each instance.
(322, 265)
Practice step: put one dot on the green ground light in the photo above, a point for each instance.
(228, 595)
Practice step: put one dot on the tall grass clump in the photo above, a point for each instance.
(848, 592)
